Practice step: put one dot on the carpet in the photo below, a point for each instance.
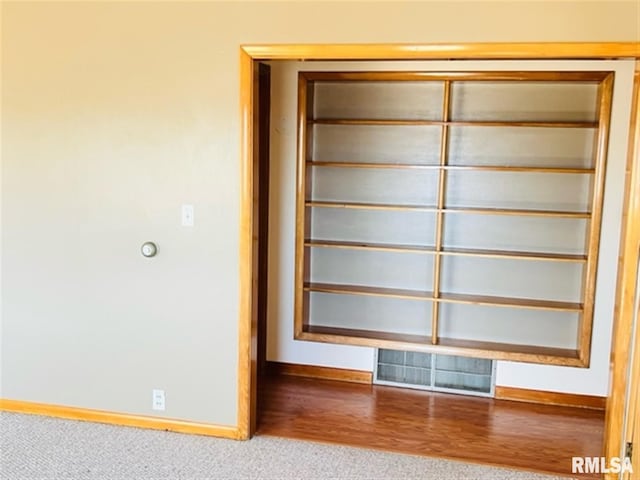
(43, 448)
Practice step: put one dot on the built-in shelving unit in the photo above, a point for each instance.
(455, 213)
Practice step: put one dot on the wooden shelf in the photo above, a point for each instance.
(483, 300)
(517, 212)
(371, 206)
(519, 169)
(535, 124)
(469, 210)
(495, 76)
(368, 291)
(512, 254)
(370, 246)
(399, 166)
(511, 302)
(373, 121)
(475, 168)
(369, 334)
(539, 351)
(465, 252)
(453, 123)
(445, 346)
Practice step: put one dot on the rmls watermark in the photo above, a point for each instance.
(601, 465)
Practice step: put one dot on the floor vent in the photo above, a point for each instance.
(426, 371)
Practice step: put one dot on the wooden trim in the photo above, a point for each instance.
(301, 186)
(122, 419)
(442, 183)
(442, 297)
(411, 76)
(633, 416)
(632, 428)
(325, 373)
(550, 398)
(247, 329)
(462, 252)
(626, 286)
(601, 143)
(446, 51)
(446, 346)
(450, 210)
(453, 123)
(469, 168)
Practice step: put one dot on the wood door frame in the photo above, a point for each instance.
(249, 54)
(626, 289)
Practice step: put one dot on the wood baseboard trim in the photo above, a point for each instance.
(121, 419)
(551, 398)
(324, 373)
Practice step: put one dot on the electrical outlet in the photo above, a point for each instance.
(158, 400)
(187, 216)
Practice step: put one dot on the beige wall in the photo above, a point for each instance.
(113, 115)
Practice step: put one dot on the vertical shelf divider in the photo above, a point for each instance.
(442, 180)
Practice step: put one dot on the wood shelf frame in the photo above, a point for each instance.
(444, 297)
(445, 346)
(452, 123)
(514, 255)
(366, 290)
(432, 341)
(475, 168)
(463, 252)
(370, 246)
(440, 209)
(477, 76)
(371, 206)
(442, 193)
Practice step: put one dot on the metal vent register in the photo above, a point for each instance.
(426, 371)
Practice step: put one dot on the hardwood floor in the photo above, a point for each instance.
(518, 435)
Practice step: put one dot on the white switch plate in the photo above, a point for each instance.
(187, 216)
(158, 400)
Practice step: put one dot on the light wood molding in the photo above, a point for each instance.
(443, 297)
(601, 142)
(451, 210)
(446, 51)
(633, 417)
(301, 180)
(454, 123)
(626, 288)
(440, 202)
(122, 419)
(406, 75)
(247, 328)
(446, 346)
(551, 398)
(477, 168)
(429, 250)
(325, 373)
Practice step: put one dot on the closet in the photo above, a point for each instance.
(451, 212)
